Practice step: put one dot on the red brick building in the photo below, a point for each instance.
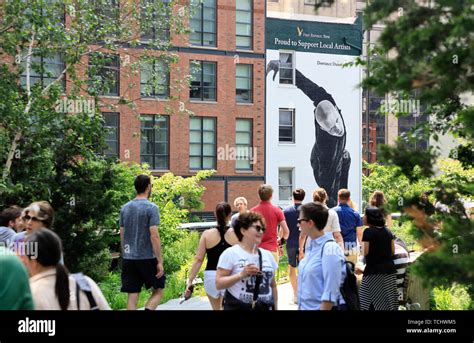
(227, 98)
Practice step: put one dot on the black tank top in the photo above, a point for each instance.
(215, 252)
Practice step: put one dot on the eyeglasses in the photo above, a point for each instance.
(27, 218)
(259, 228)
(302, 220)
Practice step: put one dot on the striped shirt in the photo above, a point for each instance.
(401, 259)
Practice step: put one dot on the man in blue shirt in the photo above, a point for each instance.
(351, 225)
(322, 271)
(292, 243)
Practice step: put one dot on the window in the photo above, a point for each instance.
(286, 68)
(243, 24)
(155, 20)
(244, 82)
(203, 84)
(243, 144)
(202, 143)
(286, 129)
(310, 2)
(203, 23)
(154, 78)
(154, 142)
(108, 17)
(112, 138)
(104, 74)
(409, 129)
(285, 184)
(44, 70)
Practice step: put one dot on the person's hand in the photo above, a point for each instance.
(159, 270)
(188, 291)
(249, 270)
(273, 65)
(300, 255)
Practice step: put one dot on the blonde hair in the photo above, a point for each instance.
(240, 199)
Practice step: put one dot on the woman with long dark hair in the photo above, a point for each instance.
(213, 242)
(378, 200)
(51, 285)
(378, 290)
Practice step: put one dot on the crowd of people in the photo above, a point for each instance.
(242, 254)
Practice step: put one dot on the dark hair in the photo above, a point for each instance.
(320, 195)
(9, 214)
(45, 212)
(265, 192)
(223, 210)
(244, 221)
(378, 199)
(49, 252)
(374, 216)
(299, 194)
(141, 183)
(316, 212)
(344, 194)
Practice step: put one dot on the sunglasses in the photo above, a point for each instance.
(259, 228)
(35, 219)
(302, 220)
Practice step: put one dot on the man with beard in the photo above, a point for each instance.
(329, 158)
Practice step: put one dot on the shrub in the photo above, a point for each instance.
(455, 297)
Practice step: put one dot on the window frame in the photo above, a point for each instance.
(293, 78)
(243, 23)
(293, 126)
(249, 146)
(117, 128)
(250, 101)
(202, 20)
(202, 131)
(153, 94)
(202, 87)
(154, 130)
(291, 185)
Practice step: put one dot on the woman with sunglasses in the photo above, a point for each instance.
(36, 216)
(321, 272)
(212, 244)
(246, 272)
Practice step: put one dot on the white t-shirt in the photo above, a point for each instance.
(331, 226)
(234, 259)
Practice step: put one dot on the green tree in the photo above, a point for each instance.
(426, 51)
(54, 50)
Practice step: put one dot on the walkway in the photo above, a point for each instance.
(285, 295)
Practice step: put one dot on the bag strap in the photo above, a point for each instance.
(258, 280)
(83, 285)
(322, 249)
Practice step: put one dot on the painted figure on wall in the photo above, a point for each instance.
(329, 158)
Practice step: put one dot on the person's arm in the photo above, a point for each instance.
(302, 242)
(332, 273)
(156, 244)
(285, 232)
(198, 259)
(359, 234)
(366, 247)
(274, 287)
(393, 247)
(225, 280)
(121, 238)
(338, 237)
(388, 221)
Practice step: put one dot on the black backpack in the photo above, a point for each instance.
(348, 289)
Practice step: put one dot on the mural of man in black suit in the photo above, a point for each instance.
(329, 158)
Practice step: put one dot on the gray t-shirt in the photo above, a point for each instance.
(136, 217)
(6, 234)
